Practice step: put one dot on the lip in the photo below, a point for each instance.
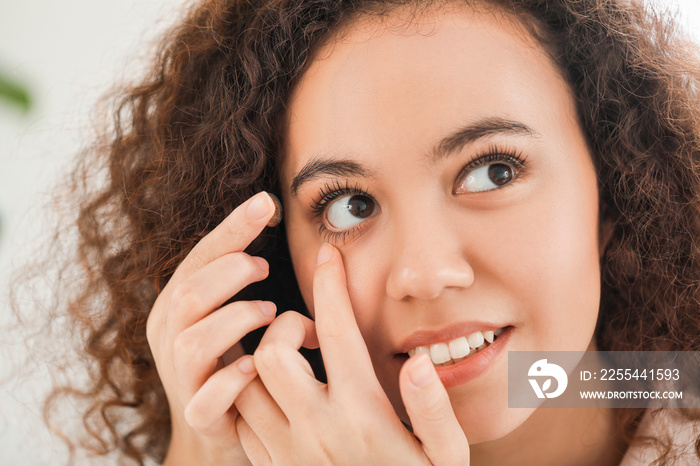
(472, 367)
(444, 335)
(469, 369)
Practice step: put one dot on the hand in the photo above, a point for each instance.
(188, 332)
(289, 417)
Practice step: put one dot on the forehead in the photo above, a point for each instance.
(400, 82)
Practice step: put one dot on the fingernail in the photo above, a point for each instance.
(262, 263)
(259, 206)
(422, 372)
(246, 365)
(277, 216)
(267, 308)
(324, 254)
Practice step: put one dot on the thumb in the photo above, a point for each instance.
(432, 417)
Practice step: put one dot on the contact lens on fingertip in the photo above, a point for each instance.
(277, 216)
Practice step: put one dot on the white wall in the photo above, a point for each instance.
(68, 53)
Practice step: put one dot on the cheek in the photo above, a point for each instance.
(560, 265)
(361, 270)
(303, 249)
(365, 278)
(305, 278)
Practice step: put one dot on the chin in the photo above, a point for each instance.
(495, 426)
(482, 409)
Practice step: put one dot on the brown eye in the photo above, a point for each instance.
(488, 177)
(348, 211)
(500, 173)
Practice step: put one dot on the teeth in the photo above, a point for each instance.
(418, 350)
(439, 353)
(475, 340)
(458, 349)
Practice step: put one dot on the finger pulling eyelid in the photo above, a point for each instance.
(344, 237)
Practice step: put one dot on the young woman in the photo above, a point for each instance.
(463, 178)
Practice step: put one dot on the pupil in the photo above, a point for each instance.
(359, 207)
(500, 174)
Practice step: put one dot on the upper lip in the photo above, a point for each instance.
(427, 337)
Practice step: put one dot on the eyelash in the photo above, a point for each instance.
(334, 189)
(327, 194)
(494, 154)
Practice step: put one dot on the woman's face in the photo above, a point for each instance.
(446, 163)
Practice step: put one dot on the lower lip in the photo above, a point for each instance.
(472, 367)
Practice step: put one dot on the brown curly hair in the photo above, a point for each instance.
(200, 134)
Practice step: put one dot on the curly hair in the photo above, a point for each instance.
(201, 132)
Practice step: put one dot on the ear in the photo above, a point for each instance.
(606, 228)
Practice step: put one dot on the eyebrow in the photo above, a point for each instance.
(449, 145)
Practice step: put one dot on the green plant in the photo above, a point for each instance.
(14, 93)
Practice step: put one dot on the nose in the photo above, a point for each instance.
(428, 258)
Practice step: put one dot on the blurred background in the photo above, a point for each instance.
(56, 59)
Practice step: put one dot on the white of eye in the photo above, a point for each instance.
(348, 211)
(488, 177)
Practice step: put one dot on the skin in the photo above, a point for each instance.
(524, 255)
(189, 331)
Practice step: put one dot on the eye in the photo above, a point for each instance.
(348, 211)
(487, 177)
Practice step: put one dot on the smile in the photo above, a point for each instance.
(458, 349)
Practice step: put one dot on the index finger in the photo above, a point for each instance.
(233, 234)
(345, 354)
